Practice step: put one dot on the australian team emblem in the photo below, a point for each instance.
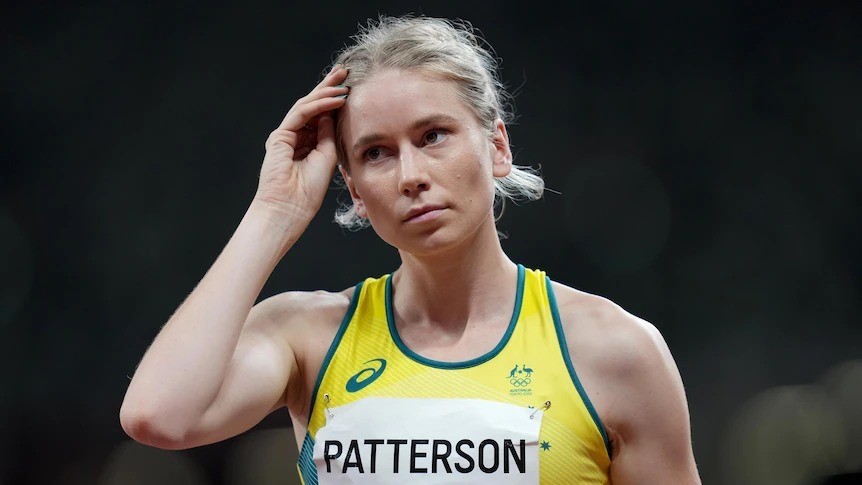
(520, 378)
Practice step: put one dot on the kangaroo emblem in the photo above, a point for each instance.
(512, 374)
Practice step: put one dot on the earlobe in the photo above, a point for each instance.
(360, 208)
(357, 200)
(502, 150)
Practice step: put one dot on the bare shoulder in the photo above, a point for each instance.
(632, 380)
(292, 306)
(612, 348)
(302, 317)
(601, 328)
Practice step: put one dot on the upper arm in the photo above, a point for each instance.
(257, 376)
(650, 425)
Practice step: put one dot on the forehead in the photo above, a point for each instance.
(393, 99)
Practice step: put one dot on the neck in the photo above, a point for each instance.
(474, 282)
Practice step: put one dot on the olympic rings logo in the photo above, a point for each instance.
(520, 382)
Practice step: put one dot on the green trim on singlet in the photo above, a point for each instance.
(305, 462)
(390, 317)
(564, 348)
(354, 302)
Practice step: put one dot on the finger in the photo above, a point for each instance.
(333, 79)
(335, 76)
(326, 138)
(302, 114)
(327, 92)
(331, 91)
(329, 86)
(332, 85)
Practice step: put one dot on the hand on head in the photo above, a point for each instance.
(300, 153)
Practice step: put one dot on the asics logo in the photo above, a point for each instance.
(366, 376)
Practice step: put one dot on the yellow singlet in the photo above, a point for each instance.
(380, 413)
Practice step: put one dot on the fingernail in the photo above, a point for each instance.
(340, 96)
(334, 68)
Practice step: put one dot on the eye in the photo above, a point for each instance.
(435, 136)
(373, 154)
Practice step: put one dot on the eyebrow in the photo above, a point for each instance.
(428, 120)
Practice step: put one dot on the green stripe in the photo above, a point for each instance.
(558, 325)
(519, 296)
(337, 340)
(305, 463)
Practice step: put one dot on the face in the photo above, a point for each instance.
(421, 167)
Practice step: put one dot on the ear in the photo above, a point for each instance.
(502, 151)
(357, 200)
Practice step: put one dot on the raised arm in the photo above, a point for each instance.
(218, 366)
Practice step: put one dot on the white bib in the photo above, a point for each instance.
(419, 441)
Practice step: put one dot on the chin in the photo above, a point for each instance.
(427, 243)
(430, 242)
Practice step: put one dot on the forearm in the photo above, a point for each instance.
(180, 375)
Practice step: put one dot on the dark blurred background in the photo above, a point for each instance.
(707, 157)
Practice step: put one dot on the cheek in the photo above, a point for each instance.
(482, 177)
(476, 185)
(376, 192)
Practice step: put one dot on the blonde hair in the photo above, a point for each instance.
(453, 50)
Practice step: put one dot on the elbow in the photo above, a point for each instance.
(149, 429)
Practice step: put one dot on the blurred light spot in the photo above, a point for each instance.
(617, 213)
(264, 457)
(132, 463)
(844, 384)
(16, 255)
(787, 435)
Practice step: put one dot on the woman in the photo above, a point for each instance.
(460, 366)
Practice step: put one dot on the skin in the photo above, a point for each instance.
(221, 363)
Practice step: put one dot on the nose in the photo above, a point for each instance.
(414, 175)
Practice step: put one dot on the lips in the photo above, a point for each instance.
(418, 212)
